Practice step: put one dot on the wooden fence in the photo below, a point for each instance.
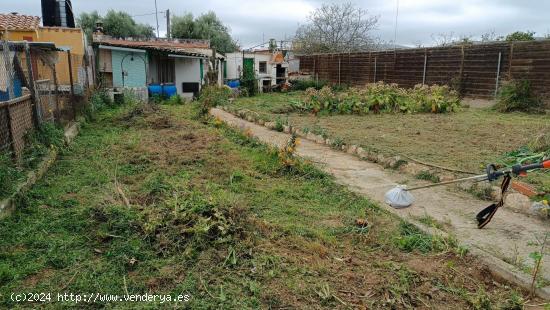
(477, 70)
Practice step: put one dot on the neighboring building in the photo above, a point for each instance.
(137, 64)
(58, 13)
(15, 27)
(270, 68)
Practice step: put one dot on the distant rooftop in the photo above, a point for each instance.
(189, 47)
(14, 21)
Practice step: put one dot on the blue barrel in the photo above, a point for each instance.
(234, 83)
(154, 89)
(169, 90)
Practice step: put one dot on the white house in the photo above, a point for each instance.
(137, 64)
(270, 68)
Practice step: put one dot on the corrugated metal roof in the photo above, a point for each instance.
(19, 22)
(193, 49)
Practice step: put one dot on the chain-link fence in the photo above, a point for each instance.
(38, 83)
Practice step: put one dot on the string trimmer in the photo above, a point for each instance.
(400, 196)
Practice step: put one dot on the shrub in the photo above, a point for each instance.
(517, 96)
(380, 97)
(305, 84)
(435, 98)
(212, 96)
(174, 100)
(249, 87)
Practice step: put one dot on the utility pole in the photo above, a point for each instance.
(157, 18)
(168, 23)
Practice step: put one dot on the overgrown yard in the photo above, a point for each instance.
(149, 200)
(466, 140)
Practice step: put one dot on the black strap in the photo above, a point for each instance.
(485, 216)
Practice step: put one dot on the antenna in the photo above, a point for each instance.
(157, 17)
(395, 33)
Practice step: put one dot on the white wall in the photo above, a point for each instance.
(234, 65)
(187, 71)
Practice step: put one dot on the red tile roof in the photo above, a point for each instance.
(19, 22)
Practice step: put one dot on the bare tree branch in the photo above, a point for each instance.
(336, 28)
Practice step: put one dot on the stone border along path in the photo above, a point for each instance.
(508, 238)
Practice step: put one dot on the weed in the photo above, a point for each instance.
(337, 143)
(320, 131)
(517, 96)
(398, 164)
(9, 175)
(37, 143)
(430, 221)
(483, 192)
(481, 300)
(427, 176)
(514, 302)
(280, 123)
(212, 96)
(174, 100)
(287, 155)
(305, 84)
(411, 238)
(537, 257)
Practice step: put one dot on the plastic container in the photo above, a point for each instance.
(234, 83)
(169, 90)
(154, 89)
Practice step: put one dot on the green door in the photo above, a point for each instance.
(248, 69)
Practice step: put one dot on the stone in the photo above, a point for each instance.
(319, 139)
(311, 136)
(286, 129)
(352, 149)
(518, 202)
(362, 153)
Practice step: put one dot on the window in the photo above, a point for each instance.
(262, 67)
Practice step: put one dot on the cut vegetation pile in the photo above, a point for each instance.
(148, 200)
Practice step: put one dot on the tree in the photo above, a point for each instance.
(336, 28)
(207, 27)
(87, 22)
(521, 36)
(116, 24)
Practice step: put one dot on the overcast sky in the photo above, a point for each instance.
(251, 21)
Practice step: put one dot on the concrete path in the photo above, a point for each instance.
(509, 237)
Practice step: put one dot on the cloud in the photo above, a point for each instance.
(251, 21)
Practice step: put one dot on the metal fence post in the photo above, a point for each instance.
(498, 73)
(425, 64)
(375, 65)
(56, 89)
(339, 67)
(37, 115)
(70, 71)
(9, 68)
